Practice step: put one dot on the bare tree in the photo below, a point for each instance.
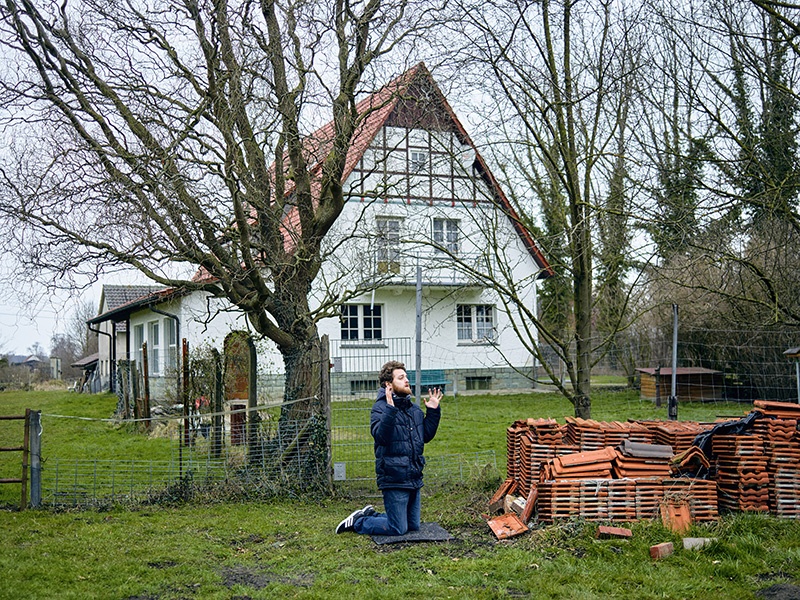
(77, 330)
(561, 75)
(175, 138)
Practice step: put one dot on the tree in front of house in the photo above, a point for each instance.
(176, 139)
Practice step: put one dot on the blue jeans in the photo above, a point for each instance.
(402, 514)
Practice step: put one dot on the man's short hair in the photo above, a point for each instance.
(387, 371)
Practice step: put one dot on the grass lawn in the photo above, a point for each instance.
(286, 548)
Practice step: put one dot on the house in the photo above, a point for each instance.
(112, 335)
(423, 212)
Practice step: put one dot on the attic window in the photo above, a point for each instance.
(418, 161)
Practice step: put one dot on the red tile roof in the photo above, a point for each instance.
(373, 111)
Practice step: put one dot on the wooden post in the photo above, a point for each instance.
(252, 402)
(146, 375)
(35, 418)
(134, 375)
(185, 366)
(23, 503)
(218, 434)
(125, 382)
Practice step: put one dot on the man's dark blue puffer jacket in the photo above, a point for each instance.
(401, 432)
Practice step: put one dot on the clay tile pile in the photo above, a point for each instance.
(514, 435)
(593, 435)
(742, 477)
(780, 410)
(545, 431)
(532, 456)
(701, 495)
(593, 464)
(689, 462)
(637, 460)
(782, 447)
(678, 434)
(600, 499)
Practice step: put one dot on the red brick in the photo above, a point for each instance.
(662, 550)
(604, 531)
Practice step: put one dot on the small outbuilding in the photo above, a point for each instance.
(694, 384)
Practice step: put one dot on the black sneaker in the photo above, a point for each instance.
(349, 522)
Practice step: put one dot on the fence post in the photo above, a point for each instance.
(253, 418)
(36, 455)
(672, 406)
(325, 397)
(218, 419)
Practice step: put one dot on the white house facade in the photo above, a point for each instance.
(425, 225)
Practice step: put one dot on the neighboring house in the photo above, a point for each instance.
(112, 335)
(421, 198)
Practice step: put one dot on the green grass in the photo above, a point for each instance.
(286, 548)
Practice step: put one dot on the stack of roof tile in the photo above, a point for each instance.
(780, 410)
(601, 499)
(700, 493)
(742, 477)
(678, 434)
(637, 460)
(593, 435)
(514, 435)
(545, 431)
(593, 464)
(690, 462)
(531, 458)
(782, 447)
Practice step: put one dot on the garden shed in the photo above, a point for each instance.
(693, 383)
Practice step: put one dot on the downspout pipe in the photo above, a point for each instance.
(177, 345)
(112, 371)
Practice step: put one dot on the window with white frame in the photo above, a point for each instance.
(171, 338)
(445, 235)
(388, 245)
(417, 161)
(475, 322)
(154, 346)
(362, 322)
(138, 340)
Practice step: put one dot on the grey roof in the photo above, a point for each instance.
(117, 295)
(86, 361)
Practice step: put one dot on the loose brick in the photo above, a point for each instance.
(662, 550)
(604, 531)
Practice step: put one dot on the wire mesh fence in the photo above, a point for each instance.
(120, 461)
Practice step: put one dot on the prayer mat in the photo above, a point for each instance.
(428, 532)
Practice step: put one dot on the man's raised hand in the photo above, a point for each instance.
(434, 397)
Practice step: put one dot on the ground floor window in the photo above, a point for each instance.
(475, 322)
(479, 383)
(362, 322)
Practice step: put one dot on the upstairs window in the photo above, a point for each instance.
(417, 161)
(445, 235)
(475, 323)
(388, 245)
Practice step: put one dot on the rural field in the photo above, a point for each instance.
(254, 546)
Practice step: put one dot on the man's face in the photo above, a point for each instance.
(400, 383)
